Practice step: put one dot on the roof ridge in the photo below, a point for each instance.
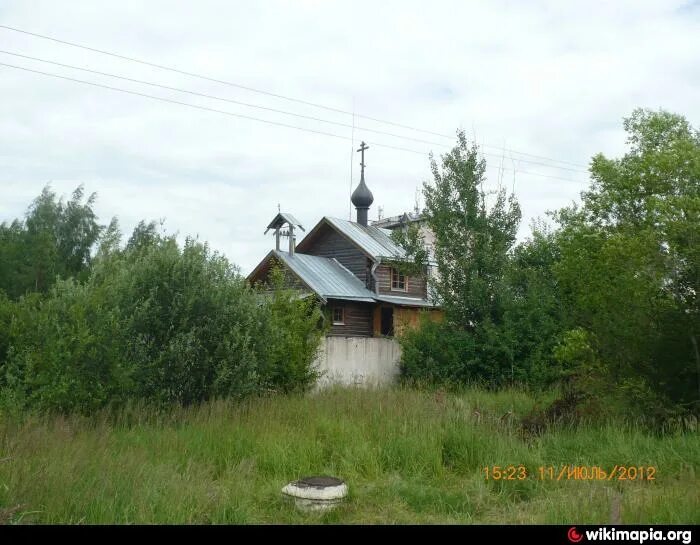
(374, 241)
(342, 219)
(380, 229)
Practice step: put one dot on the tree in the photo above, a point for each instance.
(155, 323)
(56, 240)
(95, 324)
(6, 308)
(472, 245)
(534, 316)
(630, 267)
(472, 239)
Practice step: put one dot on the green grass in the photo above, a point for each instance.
(409, 456)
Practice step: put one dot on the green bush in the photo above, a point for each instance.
(606, 306)
(630, 267)
(5, 319)
(156, 323)
(440, 353)
(430, 353)
(64, 350)
(292, 335)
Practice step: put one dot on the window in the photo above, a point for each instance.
(398, 281)
(338, 316)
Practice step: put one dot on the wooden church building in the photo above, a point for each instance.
(350, 267)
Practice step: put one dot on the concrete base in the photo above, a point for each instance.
(316, 493)
(358, 361)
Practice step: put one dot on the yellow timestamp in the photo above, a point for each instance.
(570, 472)
(505, 473)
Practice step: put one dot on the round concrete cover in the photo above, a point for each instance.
(317, 488)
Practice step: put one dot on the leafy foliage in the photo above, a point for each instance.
(56, 240)
(630, 266)
(472, 240)
(606, 305)
(292, 335)
(534, 316)
(410, 237)
(6, 310)
(154, 322)
(498, 300)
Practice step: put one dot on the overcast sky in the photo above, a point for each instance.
(552, 79)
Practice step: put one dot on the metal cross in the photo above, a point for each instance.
(362, 149)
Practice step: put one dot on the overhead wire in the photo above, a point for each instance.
(265, 108)
(267, 93)
(238, 115)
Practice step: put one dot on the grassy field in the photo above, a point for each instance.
(408, 457)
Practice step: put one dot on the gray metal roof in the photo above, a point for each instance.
(331, 280)
(406, 301)
(396, 221)
(326, 276)
(373, 240)
(280, 219)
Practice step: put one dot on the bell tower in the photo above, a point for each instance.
(281, 220)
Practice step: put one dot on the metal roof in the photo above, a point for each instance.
(280, 220)
(396, 221)
(326, 276)
(331, 280)
(406, 301)
(373, 240)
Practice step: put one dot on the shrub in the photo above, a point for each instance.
(441, 353)
(5, 320)
(161, 324)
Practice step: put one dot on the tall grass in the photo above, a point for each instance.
(409, 456)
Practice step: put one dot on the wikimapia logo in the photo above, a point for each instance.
(573, 535)
(636, 536)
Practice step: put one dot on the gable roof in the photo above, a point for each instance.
(280, 219)
(329, 279)
(373, 241)
(323, 275)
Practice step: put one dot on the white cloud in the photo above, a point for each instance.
(549, 78)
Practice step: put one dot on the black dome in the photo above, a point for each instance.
(362, 197)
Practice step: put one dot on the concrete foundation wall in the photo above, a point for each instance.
(361, 361)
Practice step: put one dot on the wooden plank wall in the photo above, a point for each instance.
(358, 319)
(330, 243)
(416, 284)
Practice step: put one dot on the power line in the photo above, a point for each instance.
(179, 90)
(268, 93)
(248, 105)
(170, 100)
(242, 116)
(200, 76)
(265, 108)
(205, 108)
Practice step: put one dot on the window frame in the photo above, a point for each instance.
(399, 275)
(342, 315)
